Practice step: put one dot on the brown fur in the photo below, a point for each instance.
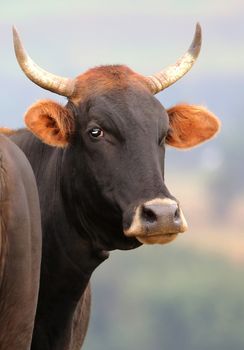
(7, 131)
(20, 247)
(53, 124)
(50, 122)
(190, 125)
(3, 215)
(105, 78)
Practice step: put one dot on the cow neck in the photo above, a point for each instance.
(58, 230)
(68, 260)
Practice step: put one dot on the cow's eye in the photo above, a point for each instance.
(96, 132)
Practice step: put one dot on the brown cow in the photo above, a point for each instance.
(99, 166)
(20, 248)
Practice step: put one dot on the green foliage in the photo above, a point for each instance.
(167, 298)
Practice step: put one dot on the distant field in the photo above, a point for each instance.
(223, 236)
(169, 297)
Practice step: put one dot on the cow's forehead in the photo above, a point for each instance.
(100, 80)
(131, 111)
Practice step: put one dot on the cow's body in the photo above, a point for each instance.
(20, 248)
(64, 297)
(100, 174)
(88, 191)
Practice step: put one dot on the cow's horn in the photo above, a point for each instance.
(174, 72)
(46, 80)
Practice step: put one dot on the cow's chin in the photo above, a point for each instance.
(157, 239)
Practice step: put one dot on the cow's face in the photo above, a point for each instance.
(114, 133)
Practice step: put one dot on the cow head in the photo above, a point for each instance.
(114, 132)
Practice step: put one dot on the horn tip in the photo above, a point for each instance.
(14, 30)
(198, 26)
(198, 32)
(197, 40)
(16, 37)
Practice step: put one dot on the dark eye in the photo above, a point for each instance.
(96, 132)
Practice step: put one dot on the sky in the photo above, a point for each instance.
(68, 37)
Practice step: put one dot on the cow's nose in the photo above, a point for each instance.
(165, 213)
(156, 221)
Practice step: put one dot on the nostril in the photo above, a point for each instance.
(148, 214)
(177, 213)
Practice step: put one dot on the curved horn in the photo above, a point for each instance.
(46, 80)
(174, 72)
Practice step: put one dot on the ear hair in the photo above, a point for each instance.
(7, 131)
(191, 125)
(50, 122)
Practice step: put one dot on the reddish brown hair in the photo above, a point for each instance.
(51, 122)
(190, 125)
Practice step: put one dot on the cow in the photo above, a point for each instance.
(99, 167)
(20, 247)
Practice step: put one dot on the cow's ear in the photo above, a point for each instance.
(190, 125)
(50, 122)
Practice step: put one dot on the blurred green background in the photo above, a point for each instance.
(187, 295)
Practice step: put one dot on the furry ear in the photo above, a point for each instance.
(50, 122)
(190, 125)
